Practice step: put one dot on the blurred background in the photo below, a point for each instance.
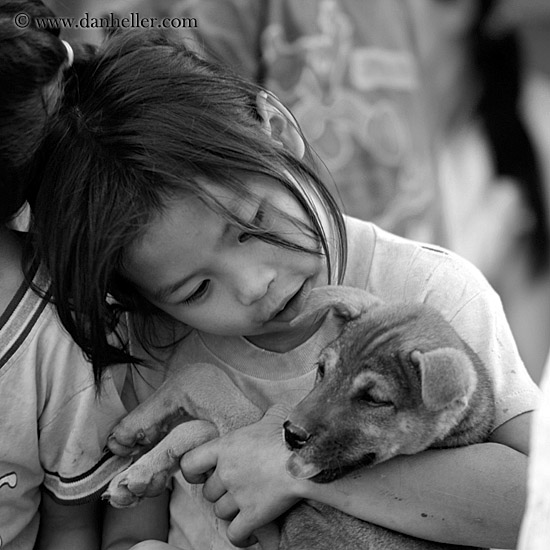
(532, 17)
(432, 117)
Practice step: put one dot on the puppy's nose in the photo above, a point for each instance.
(295, 436)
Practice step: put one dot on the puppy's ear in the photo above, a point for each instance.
(448, 378)
(347, 303)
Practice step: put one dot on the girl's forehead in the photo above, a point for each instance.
(250, 188)
(227, 195)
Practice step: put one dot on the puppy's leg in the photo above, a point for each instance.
(198, 390)
(194, 391)
(148, 476)
(150, 421)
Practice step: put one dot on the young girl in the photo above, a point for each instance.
(191, 198)
(53, 420)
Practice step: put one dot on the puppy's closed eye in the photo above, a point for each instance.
(372, 401)
(368, 395)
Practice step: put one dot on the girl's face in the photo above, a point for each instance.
(207, 273)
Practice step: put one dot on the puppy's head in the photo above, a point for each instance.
(395, 382)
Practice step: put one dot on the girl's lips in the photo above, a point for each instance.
(293, 306)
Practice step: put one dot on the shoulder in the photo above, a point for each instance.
(396, 268)
(51, 384)
(32, 339)
(409, 271)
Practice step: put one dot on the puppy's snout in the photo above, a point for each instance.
(295, 436)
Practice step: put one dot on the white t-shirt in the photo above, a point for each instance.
(54, 426)
(393, 269)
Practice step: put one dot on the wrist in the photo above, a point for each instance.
(304, 488)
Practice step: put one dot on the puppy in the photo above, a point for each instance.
(397, 380)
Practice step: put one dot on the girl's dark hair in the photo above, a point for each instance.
(30, 60)
(499, 65)
(145, 121)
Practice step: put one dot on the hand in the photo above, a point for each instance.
(249, 483)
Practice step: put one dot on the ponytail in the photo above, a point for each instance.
(32, 60)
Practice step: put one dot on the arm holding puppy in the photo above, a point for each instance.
(470, 495)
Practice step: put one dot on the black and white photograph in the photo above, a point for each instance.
(278, 272)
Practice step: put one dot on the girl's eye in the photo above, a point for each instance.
(197, 294)
(256, 222)
(243, 237)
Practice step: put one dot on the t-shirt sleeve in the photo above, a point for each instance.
(460, 292)
(75, 422)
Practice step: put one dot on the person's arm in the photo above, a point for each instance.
(125, 527)
(470, 495)
(68, 527)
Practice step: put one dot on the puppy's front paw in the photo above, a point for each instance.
(132, 438)
(137, 482)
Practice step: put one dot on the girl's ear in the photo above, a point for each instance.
(278, 122)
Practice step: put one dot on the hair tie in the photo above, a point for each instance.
(70, 53)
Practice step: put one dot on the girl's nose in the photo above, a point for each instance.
(253, 283)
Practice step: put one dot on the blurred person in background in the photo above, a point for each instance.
(348, 71)
(492, 133)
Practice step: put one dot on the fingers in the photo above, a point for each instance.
(238, 534)
(197, 464)
(225, 507)
(213, 488)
